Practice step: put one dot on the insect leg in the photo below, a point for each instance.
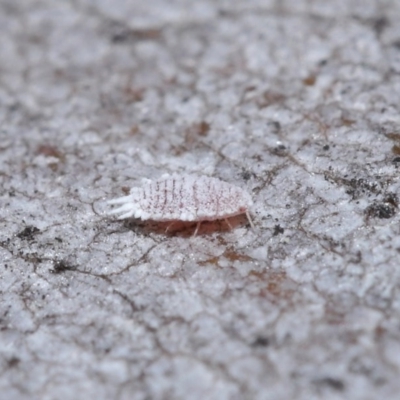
(228, 223)
(250, 220)
(197, 228)
(169, 226)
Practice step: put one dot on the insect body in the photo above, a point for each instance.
(184, 198)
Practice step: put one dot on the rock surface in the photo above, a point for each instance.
(297, 102)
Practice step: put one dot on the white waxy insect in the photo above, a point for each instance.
(184, 198)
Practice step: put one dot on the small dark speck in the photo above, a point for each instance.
(203, 128)
(392, 198)
(246, 175)
(275, 125)
(326, 147)
(59, 240)
(277, 230)
(396, 160)
(13, 107)
(396, 44)
(333, 383)
(379, 24)
(122, 34)
(61, 266)
(383, 210)
(261, 341)
(28, 233)
(13, 362)
(279, 150)
(120, 37)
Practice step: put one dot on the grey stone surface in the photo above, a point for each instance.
(297, 102)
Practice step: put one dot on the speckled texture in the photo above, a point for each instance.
(296, 102)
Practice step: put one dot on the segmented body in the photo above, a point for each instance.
(184, 198)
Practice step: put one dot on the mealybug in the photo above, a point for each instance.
(184, 198)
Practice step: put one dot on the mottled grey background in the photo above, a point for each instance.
(295, 101)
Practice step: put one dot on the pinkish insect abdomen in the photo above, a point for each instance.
(192, 198)
(185, 198)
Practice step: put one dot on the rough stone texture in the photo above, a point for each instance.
(295, 101)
